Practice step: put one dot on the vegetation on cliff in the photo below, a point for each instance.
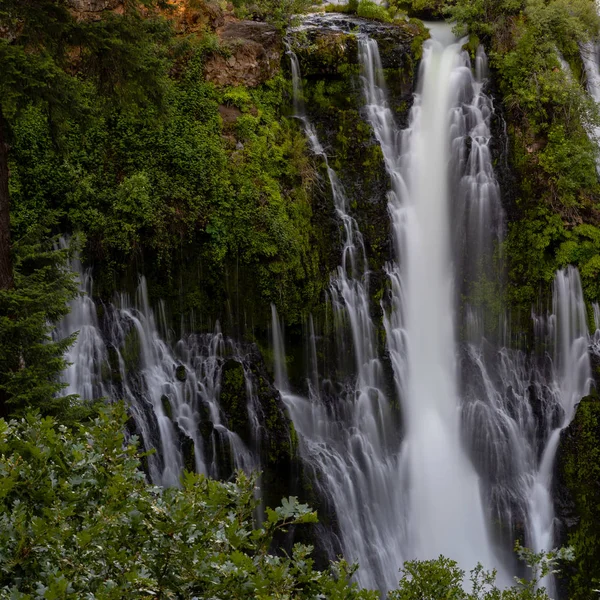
(555, 219)
(174, 171)
(579, 472)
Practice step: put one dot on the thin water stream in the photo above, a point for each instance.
(170, 390)
(352, 443)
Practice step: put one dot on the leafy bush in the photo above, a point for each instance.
(371, 10)
(79, 520)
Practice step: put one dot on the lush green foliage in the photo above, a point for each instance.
(169, 180)
(442, 578)
(278, 12)
(78, 520)
(50, 59)
(580, 467)
(549, 114)
(30, 361)
(419, 8)
(372, 10)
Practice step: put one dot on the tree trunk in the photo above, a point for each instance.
(6, 271)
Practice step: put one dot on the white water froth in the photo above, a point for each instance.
(127, 358)
(567, 335)
(595, 341)
(590, 55)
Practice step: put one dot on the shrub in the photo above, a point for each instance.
(371, 10)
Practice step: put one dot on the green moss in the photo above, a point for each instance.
(180, 373)
(131, 350)
(581, 468)
(421, 34)
(233, 399)
(166, 404)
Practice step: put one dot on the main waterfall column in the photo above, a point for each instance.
(446, 514)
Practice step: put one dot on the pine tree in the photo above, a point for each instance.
(30, 359)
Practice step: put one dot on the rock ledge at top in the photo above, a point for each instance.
(93, 9)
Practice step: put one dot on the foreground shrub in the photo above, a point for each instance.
(79, 520)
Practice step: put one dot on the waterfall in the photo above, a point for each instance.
(567, 334)
(170, 391)
(481, 416)
(446, 512)
(351, 443)
(590, 55)
(467, 467)
(595, 340)
(355, 470)
(86, 357)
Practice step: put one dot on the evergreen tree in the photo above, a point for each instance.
(30, 360)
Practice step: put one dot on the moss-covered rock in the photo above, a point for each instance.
(577, 498)
(180, 373)
(131, 350)
(330, 68)
(234, 400)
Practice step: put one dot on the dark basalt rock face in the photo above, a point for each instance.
(327, 47)
(595, 364)
(253, 409)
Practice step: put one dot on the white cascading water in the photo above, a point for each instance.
(480, 436)
(482, 422)
(516, 407)
(446, 513)
(166, 408)
(595, 341)
(84, 358)
(590, 55)
(350, 443)
(568, 336)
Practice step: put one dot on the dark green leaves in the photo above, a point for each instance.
(79, 520)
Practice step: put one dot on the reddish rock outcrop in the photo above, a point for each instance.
(252, 54)
(196, 18)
